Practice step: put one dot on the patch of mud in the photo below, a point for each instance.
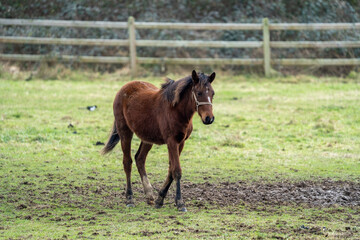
(96, 192)
(326, 193)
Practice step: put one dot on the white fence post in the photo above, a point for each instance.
(132, 45)
(266, 47)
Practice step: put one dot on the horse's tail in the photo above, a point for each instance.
(114, 138)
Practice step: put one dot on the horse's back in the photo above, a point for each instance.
(138, 87)
(133, 95)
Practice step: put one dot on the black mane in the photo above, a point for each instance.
(172, 91)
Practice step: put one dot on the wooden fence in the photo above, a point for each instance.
(132, 43)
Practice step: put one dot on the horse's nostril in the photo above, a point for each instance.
(207, 119)
(212, 120)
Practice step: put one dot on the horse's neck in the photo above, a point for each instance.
(186, 106)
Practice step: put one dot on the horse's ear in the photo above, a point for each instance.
(212, 77)
(195, 77)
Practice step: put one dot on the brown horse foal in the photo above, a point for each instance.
(159, 116)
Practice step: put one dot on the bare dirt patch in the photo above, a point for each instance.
(87, 196)
(325, 193)
(97, 196)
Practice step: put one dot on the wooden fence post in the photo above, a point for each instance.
(266, 47)
(132, 45)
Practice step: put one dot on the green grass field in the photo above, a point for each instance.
(291, 130)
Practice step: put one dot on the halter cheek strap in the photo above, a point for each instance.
(200, 103)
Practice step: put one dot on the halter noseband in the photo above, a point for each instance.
(199, 103)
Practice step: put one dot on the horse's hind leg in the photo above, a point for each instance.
(140, 158)
(126, 137)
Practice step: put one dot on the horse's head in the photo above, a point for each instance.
(203, 94)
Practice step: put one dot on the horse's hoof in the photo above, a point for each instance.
(182, 209)
(159, 202)
(158, 206)
(130, 205)
(150, 202)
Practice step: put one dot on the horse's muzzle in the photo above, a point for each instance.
(209, 120)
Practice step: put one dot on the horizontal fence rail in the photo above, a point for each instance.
(315, 44)
(145, 60)
(63, 23)
(132, 43)
(140, 43)
(317, 62)
(65, 41)
(212, 44)
(198, 61)
(66, 58)
(199, 26)
(204, 61)
(314, 26)
(184, 26)
(176, 43)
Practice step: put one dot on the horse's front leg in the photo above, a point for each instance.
(174, 156)
(164, 189)
(174, 174)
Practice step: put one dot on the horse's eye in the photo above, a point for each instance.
(199, 93)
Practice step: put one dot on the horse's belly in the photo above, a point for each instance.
(148, 133)
(145, 127)
(149, 138)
